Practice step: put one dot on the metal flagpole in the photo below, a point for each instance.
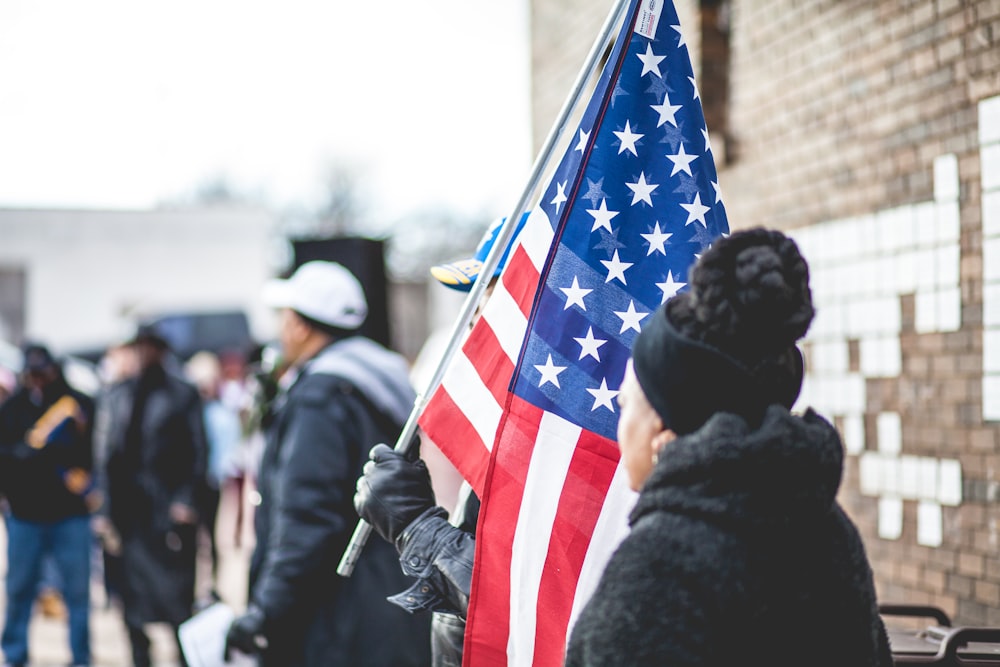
(364, 529)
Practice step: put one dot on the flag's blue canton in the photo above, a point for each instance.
(634, 198)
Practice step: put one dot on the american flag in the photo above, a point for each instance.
(527, 410)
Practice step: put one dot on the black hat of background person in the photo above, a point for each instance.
(149, 333)
(728, 344)
(37, 358)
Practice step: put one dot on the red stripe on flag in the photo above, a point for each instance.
(489, 619)
(448, 428)
(521, 280)
(488, 358)
(580, 502)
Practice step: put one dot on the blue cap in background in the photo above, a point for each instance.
(461, 274)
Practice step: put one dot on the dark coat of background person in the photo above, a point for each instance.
(158, 557)
(323, 429)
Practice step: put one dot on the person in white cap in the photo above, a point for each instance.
(341, 394)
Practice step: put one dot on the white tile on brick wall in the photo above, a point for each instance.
(830, 356)
(949, 309)
(925, 219)
(991, 213)
(991, 305)
(989, 120)
(991, 397)
(926, 275)
(890, 317)
(889, 432)
(991, 260)
(884, 222)
(946, 265)
(925, 315)
(867, 232)
(836, 319)
(927, 473)
(870, 473)
(885, 275)
(842, 245)
(930, 524)
(950, 482)
(853, 396)
(890, 475)
(890, 518)
(909, 480)
(903, 228)
(856, 322)
(906, 272)
(891, 356)
(868, 349)
(854, 434)
(948, 228)
(880, 356)
(989, 161)
(866, 278)
(946, 177)
(991, 351)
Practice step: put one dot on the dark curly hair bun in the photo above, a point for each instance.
(749, 295)
(728, 343)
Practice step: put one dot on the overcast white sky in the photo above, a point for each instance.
(124, 103)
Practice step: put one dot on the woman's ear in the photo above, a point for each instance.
(661, 440)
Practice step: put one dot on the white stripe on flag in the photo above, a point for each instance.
(473, 398)
(610, 530)
(507, 322)
(536, 237)
(550, 460)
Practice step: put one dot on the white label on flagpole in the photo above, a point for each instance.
(649, 17)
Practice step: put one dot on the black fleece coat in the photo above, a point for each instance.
(739, 555)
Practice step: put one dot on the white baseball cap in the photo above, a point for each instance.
(322, 291)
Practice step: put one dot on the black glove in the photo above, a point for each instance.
(246, 633)
(393, 492)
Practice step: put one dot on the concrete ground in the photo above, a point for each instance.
(49, 638)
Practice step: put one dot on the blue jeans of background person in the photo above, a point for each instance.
(68, 542)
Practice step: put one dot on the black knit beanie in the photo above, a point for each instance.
(728, 343)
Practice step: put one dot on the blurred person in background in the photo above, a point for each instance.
(46, 432)
(341, 394)
(153, 457)
(223, 434)
(8, 382)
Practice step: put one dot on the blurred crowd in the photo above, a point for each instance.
(117, 479)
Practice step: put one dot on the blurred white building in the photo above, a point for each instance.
(79, 279)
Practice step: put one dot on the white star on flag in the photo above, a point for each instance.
(602, 396)
(581, 145)
(616, 269)
(602, 216)
(631, 318)
(560, 197)
(666, 110)
(650, 61)
(669, 287)
(589, 345)
(696, 210)
(574, 294)
(641, 190)
(628, 139)
(682, 161)
(656, 239)
(550, 372)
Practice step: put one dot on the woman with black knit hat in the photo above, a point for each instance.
(738, 553)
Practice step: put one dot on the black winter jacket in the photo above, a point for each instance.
(351, 396)
(739, 555)
(47, 480)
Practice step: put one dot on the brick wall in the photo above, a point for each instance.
(870, 130)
